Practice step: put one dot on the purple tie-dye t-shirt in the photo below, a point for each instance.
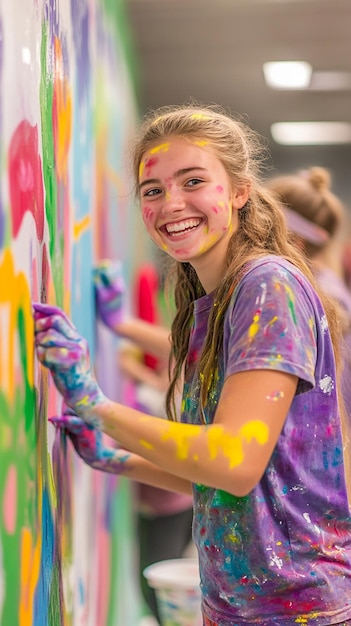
(282, 554)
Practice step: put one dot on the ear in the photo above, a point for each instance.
(240, 196)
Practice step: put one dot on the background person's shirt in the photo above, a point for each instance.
(282, 554)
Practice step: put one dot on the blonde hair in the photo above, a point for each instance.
(262, 230)
(308, 193)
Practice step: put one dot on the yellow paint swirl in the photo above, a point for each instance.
(14, 296)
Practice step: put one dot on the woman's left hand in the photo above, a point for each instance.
(88, 443)
(61, 349)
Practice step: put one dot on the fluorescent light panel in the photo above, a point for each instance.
(311, 133)
(287, 74)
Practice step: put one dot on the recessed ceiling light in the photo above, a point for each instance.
(287, 74)
(311, 133)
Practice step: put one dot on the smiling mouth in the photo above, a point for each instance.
(180, 228)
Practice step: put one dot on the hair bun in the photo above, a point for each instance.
(319, 178)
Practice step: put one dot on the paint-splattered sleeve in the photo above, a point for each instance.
(271, 323)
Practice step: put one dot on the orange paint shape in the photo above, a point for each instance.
(30, 568)
(62, 114)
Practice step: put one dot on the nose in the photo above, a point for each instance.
(174, 201)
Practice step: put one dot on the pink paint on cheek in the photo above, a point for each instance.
(147, 214)
(219, 188)
(215, 209)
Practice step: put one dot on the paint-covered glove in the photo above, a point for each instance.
(88, 443)
(61, 349)
(109, 292)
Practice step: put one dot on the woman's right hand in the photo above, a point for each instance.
(88, 443)
(109, 292)
(60, 348)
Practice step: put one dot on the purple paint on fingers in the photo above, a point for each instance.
(61, 349)
(88, 443)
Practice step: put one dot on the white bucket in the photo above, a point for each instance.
(177, 588)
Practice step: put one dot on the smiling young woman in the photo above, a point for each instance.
(260, 441)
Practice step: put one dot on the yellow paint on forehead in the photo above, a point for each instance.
(163, 147)
(201, 143)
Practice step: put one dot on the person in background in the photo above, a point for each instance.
(255, 345)
(161, 514)
(317, 218)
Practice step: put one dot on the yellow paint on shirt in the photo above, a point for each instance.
(254, 328)
(304, 619)
(272, 321)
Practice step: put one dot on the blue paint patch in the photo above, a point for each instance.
(81, 592)
(41, 599)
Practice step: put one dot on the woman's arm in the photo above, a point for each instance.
(143, 471)
(90, 444)
(150, 338)
(232, 453)
(136, 370)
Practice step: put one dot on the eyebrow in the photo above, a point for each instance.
(184, 170)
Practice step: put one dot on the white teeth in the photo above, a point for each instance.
(182, 226)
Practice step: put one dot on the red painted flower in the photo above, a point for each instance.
(25, 178)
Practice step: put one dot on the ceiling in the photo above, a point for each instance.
(214, 51)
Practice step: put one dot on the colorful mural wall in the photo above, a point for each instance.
(67, 112)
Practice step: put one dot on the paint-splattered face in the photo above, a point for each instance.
(187, 200)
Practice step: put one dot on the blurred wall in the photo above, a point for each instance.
(67, 112)
(335, 158)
